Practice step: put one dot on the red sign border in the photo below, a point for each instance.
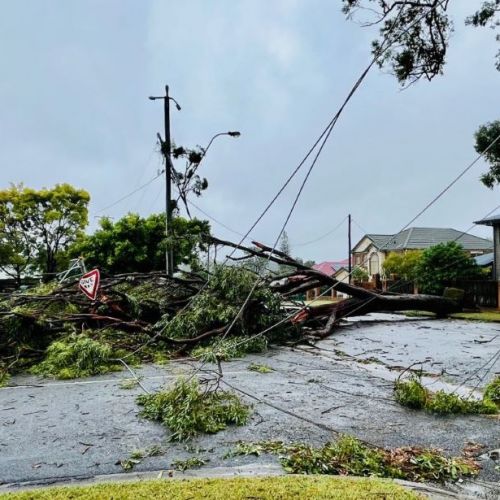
(94, 272)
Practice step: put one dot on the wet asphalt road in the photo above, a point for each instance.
(77, 429)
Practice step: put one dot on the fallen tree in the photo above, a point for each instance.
(147, 314)
(320, 320)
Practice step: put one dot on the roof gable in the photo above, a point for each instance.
(330, 267)
(419, 238)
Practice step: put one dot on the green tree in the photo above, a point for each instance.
(485, 144)
(442, 263)
(38, 226)
(16, 254)
(403, 264)
(416, 33)
(137, 244)
(359, 274)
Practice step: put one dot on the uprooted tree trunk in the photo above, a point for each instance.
(362, 301)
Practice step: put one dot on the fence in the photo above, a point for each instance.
(482, 293)
(478, 293)
(9, 285)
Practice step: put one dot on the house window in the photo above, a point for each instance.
(373, 264)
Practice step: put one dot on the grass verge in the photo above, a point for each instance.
(486, 316)
(265, 488)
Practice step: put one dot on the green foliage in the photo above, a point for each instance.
(129, 383)
(37, 227)
(413, 394)
(136, 457)
(492, 391)
(359, 274)
(230, 348)
(137, 244)
(413, 36)
(487, 16)
(187, 410)
(403, 264)
(4, 376)
(76, 356)
(349, 456)
(189, 463)
(260, 368)
(485, 136)
(219, 303)
(442, 263)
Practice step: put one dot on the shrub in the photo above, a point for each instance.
(76, 356)
(442, 263)
(187, 411)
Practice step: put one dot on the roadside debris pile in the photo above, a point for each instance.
(215, 315)
(412, 394)
(349, 456)
(187, 409)
(54, 330)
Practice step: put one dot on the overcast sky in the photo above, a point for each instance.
(73, 101)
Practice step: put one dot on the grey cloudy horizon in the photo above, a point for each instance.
(73, 96)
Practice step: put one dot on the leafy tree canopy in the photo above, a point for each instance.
(485, 137)
(137, 244)
(359, 274)
(414, 34)
(38, 226)
(442, 263)
(403, 264)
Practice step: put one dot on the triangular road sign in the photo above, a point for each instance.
(89, 283)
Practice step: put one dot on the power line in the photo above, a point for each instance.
(321, 141)
(215, 220)
(452, 183)
(130, 194)
(323, 236)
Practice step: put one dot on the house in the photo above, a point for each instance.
(371, 251)
(334, 268)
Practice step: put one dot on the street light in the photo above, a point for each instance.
(232, 133)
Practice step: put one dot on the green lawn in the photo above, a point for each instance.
(487, 315)
(281, 487)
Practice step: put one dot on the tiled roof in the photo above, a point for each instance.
(330, 267)
(425, 237)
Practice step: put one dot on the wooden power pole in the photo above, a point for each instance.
(166, 148)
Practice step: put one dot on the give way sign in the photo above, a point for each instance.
(89, 283)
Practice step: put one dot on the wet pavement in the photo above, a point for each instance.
(76, 429)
